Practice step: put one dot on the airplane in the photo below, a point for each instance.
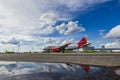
(56, 48)
(80, 44)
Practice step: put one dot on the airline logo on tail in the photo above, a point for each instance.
(83, 42)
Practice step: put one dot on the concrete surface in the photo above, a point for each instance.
(109, 60)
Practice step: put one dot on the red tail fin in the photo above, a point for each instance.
(82, 42)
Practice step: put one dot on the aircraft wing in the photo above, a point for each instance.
(62, 48)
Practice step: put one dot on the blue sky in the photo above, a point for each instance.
(34, 24)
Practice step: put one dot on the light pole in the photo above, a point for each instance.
(18, 47)
(32, 49)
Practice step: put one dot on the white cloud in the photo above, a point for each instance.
(15, 38)
(21, 16)
(71, 40)
(48, 18)
(46, 25)
(46, 30)
(26, 43)
(70, 28)
(12, 41)
(26, 19)
(113, 44)
(114, 33)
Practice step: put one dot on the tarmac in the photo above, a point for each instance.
(110, 60)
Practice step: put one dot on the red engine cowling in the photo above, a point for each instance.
(55, 49)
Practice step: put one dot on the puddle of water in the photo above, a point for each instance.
(52, 71)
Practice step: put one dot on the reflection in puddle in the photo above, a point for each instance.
(52, 71)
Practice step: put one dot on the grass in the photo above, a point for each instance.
(10, 52)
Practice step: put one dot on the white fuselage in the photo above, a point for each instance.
(72, 46)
